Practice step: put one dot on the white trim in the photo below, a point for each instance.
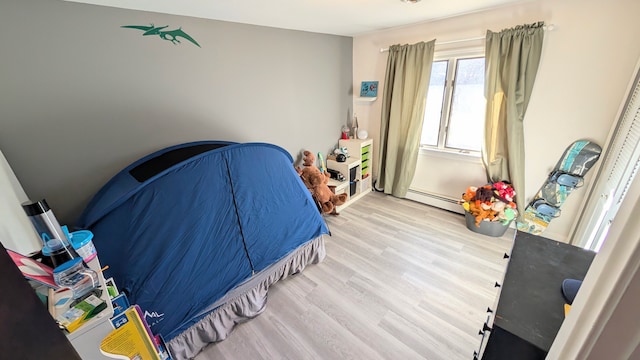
(594, 207)
(556, 236)
(451, 57)
(478, 39)
(468, 51)
(16, 231)
(613, 268)
(460, 155)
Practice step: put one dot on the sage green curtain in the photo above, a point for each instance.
(405, 92)
(512, 57)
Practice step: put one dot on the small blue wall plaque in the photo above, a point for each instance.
(369, 89)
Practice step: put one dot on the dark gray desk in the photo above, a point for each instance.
(531, 306)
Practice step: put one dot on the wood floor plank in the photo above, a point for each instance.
(401, 280)
(362, 325)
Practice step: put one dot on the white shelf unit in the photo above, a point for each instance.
(356, 170)
(86, 339)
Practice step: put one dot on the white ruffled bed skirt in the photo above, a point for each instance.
(244, 302)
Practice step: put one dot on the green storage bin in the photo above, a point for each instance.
(365, 153)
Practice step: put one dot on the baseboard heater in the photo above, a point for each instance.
(439, 201)
(436, 197)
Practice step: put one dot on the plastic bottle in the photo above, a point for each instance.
(54, 240)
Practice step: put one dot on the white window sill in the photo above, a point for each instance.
(459, 155)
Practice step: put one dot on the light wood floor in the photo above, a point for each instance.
(401, 280)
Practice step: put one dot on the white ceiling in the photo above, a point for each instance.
(339, 17)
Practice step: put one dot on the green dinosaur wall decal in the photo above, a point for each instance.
(171, 35)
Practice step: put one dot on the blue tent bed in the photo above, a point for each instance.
(196, 233)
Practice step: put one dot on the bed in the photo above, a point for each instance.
(196, 233)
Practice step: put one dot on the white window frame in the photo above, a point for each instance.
(452, 56)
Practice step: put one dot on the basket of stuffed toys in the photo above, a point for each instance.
(489, 209)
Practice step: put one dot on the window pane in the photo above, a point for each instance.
(433, 108)
(466, 120)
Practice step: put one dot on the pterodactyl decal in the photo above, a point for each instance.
(171, 35)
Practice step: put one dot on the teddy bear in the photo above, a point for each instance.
(484, 194)
(316, 182)
(480, 212)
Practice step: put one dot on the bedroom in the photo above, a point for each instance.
(125, 96)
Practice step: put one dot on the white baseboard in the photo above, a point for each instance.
(555, 236)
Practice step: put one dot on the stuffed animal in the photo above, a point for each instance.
(316, 182)
(480, 213)
(484, 194)
(308, 160)
(492, 202)
(505, 192)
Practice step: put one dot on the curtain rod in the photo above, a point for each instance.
(549, 27)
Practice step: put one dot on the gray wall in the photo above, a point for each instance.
(80, 97)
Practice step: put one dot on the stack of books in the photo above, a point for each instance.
(132, 336)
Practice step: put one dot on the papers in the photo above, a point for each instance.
(33, 270)
(76, 316)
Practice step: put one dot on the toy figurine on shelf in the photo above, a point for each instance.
(345, 132)
(341, 150)
(354, 124)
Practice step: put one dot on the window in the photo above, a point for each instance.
(455, 105)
